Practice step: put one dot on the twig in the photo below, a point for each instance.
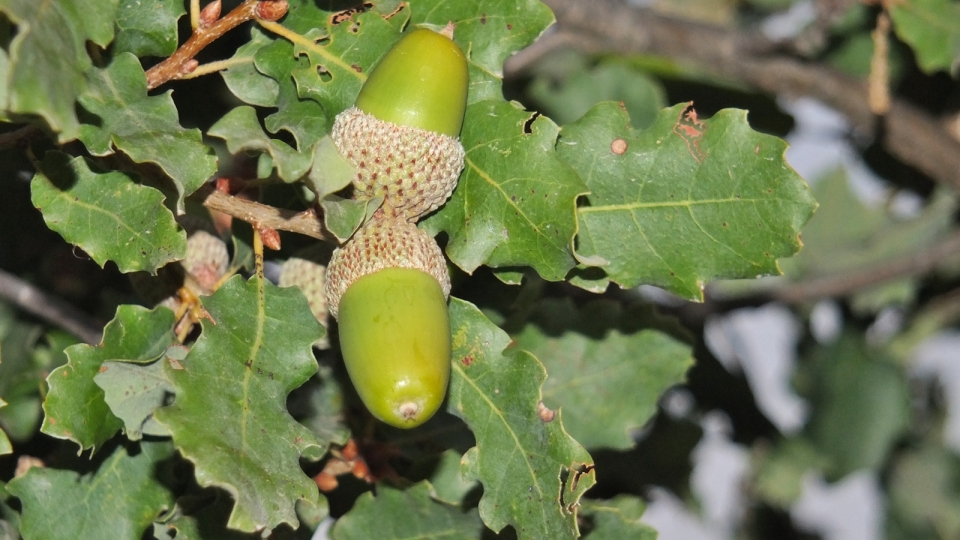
(306, 223)
(860, 278)
(49, 308)
(19, 136)
(910, 134)
(182, 61)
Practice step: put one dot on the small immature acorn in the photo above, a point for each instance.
(402, 133)
(388, 288)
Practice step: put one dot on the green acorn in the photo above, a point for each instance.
(402, 134)
(388, 288)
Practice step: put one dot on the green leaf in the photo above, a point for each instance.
(148, 29)
(581, 89)
(515, 201)
(133, 392)
(21, 375)
(447, 480)
(405, 515)
(607, 384)
(330, 172)
(320, 403)
(243, 78)
(532, 471)
(685, 201)
(861, 405)
(330, 62)
(342, 217)
(932, 29)
(303, 118)
(118, 502)
(229, 416)
(75, 407)
(241, 129)
(489, 31)
(108, 215)
(780, 473)
(146, 128)
(5, 447)
(617, 519)
(924, 493)
(47, 57)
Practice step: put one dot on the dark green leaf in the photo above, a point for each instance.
(148, 28)
(108, 215)
(608, 384)
(331, 172)
(447, 480)
(118, 502)
(405, 515)
(515, 202)
(133, 392)
(243, 78)
(533, 473)
(305, 119)
(75, 407)
(48, 56)
(342, 217)
(229, 416)
(685, 201)
(241, 129)
(144, 127)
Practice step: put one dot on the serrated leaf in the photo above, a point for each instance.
(118, 502)
(320, 403)
(241, 129)
(108, 215)
(617, 519)
(932, 29)
(48, 56)
(229, 416)
(532, 471)
(405, 515)
(243, 78)
(305, 119)
(133, 392)
(608, 385)
(342, 217)
(330, 62)
(148, 28)
(75, 407)
(146, 128)
(5, 447)
(684, 201)
(515, 202)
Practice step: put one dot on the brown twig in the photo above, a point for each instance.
(19, 137)
(49, 308)
(182, 61)
(910, 134)
(261, 215)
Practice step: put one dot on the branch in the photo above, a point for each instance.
(49, 308)
(261, 215)
(908, 133)
(208, 28)
(19, 137)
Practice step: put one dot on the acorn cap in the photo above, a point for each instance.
(414, 170)
(421, 82)
(383, 243)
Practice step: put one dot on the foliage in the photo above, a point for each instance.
(214, 408)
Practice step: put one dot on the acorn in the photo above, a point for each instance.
(401, 136)
(388, 288)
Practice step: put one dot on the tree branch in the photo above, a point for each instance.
(182, 63)
(261, 215)
(908, 133)
(49, 308)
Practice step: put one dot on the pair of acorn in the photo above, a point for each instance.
(388, 285)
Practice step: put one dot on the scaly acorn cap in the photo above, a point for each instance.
(402, 134)
(383, 243)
